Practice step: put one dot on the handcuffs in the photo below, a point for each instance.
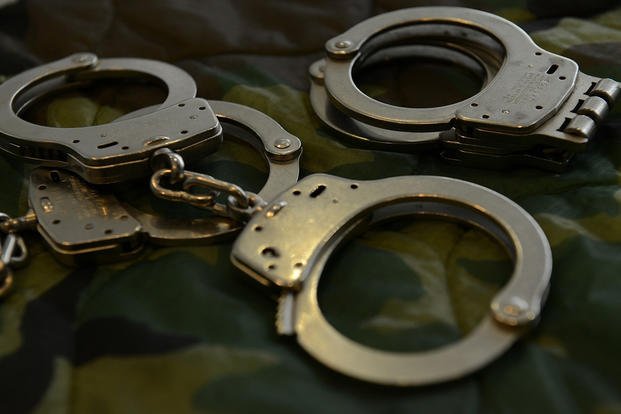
(291, 228)
(83, 222)
(327, 209)
(535, 108)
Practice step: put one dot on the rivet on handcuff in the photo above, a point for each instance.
(534, 106)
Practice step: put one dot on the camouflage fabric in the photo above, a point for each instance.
(179, 329)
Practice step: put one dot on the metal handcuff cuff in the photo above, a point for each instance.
(86, 223)
(286, 242)
(535, 108)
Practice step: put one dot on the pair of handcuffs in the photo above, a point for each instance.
(290, 229)
(71, 206)
(535, 108)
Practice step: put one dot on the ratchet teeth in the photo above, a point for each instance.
(284, 314)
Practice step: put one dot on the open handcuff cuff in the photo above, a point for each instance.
(289, 230)
(535, 108)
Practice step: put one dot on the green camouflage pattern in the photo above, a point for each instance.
(179, 329)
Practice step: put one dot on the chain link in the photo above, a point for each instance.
(12, 252)
(164, 158)
(240, 204)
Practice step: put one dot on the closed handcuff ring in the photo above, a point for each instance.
(270, 250)
(109, 153)
(482, 59)
(534, 107)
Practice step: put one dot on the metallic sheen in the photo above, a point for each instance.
(530, 97)
(108, 153)
(289, 250)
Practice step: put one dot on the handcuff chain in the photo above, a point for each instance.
(13, 250)
(169, 168)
